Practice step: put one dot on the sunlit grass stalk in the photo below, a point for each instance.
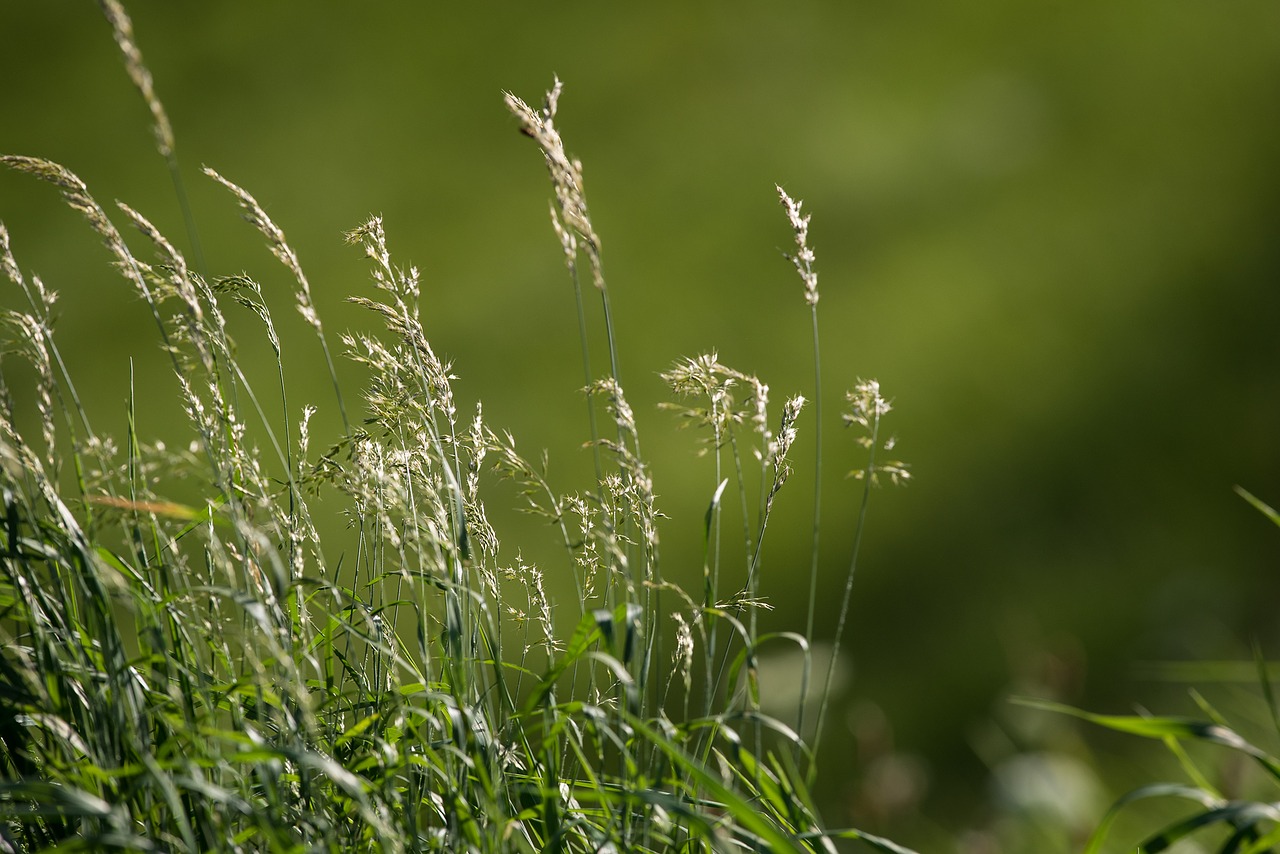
(572, 226)
(572, 223)
(122, 29)
(867, 407)
(803, 261)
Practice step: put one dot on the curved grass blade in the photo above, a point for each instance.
(1238, 814)
(879, 843)
(1258, 504)
(1165, 727)
(1155, 790)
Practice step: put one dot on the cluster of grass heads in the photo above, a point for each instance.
(215, 675)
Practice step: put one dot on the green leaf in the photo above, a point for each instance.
(40, 798)
(744, 814)
(587, 632)
(1164, 727)
(355, 729)
(1156, 790)
(1236, 814)
(879, 843)
(1258, 504)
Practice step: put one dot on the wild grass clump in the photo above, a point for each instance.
(216, 675)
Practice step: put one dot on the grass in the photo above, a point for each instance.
(1246, 820)
(332, 648)
(225, 674)
(1230, 780)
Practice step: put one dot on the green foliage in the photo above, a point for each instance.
(224, 675)
(1247, 823)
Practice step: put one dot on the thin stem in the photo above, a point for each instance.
(586, 371)
(867, 474)
(188, 217)
(817, 510)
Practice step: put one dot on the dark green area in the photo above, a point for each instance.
(1049, 231)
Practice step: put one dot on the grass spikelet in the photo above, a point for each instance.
(122, 30)
(162, 131)
(76, 194)
(569, 215)
(279, 246)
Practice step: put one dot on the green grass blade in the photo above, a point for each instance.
(1156, 790)
(1258, 504)
(1237, 815)
(1164, 727)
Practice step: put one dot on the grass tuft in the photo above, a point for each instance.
(224, 674)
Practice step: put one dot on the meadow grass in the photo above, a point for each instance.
(239, 673)
(216, 675)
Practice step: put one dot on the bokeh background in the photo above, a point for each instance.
(1049, 230)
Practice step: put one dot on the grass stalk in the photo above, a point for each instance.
(803, 261)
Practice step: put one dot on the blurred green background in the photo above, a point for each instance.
(1049, 230)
